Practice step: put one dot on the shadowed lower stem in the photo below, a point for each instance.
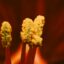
(7, 56)
(31, 55)
(23, 53)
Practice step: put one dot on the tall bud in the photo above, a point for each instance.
(6, 30)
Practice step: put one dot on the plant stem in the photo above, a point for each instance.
(23, 53)
(31, 55)
(7, 56)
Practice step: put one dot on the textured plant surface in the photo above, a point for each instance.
(32, 30)
(6, 33)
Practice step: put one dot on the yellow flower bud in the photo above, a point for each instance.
(36, 40)
(6, 27)
(6, 33)
(26, 29)
(38, 24)
(27, 24)
(32, 31)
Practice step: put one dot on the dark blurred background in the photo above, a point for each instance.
(15, 11)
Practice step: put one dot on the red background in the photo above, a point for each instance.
(15, 11)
